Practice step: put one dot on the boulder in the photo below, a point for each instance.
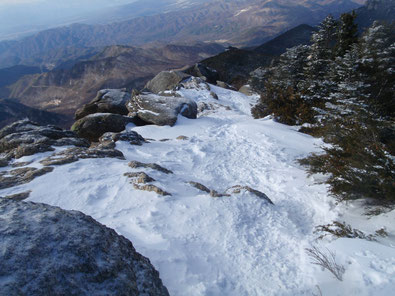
(128, 136)
(207, 74)
(49, 251)
(3, 162)
(24, 138)
(195, 83)
(93, 126)
(106, 101)
(160, 110)
(247, 90)
(165, 80)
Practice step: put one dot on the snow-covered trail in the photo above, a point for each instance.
(237, 245)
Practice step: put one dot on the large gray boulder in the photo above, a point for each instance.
(160, 110)
(106, 101)
(49, 251)
(93, 126)
(207, 74)
(165, 80)
(24, 138)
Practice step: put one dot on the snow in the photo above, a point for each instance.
(243, 10)
(238, 245)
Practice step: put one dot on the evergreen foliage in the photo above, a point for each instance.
(344, 88)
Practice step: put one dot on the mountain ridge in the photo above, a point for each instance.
(220, 20)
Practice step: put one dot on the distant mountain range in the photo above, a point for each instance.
(62, 79)
(65, 90)
(236, 22)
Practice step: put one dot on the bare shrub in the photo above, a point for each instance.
(326, 260)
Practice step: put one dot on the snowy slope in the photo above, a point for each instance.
(237, 245)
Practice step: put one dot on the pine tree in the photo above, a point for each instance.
(360, 162)
(281, 95)
(376, 62)
(347, 34)
(316, 85)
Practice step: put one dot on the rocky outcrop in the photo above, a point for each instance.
(24, 138)
(160, 110)
(232, 190)
(165, 80)
(151, 188)
(21, 176)
(18, 196)
(74, 154)
(93, 126)
(140, 181)
(154, 166)
(207, 74)
(106, 101)
(139, 178)
(199, 186)
(50, 251)
(132, 137)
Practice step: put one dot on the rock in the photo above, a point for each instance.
(78, 142)
(164, 140)
(49, 251)
(93, 126)
(182, 138)
(130, 136)
(24, 138)
(247, 90)
(199, 186)
(18, 127)
(30, 149)
(139, 177)
(194, 83)
(3, 162)
(151, 188)
(74, 154)
(154, 166)
(207, 108)
(106, 101)
(238, 188)
(21, 176)
(204, 72)
(214, 95)
(225, 85)
(160, 110)
(21, 164)
(165, 80)
(214, 193)
(19, 196)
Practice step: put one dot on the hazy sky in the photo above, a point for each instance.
(56, 2)
(27, 16)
